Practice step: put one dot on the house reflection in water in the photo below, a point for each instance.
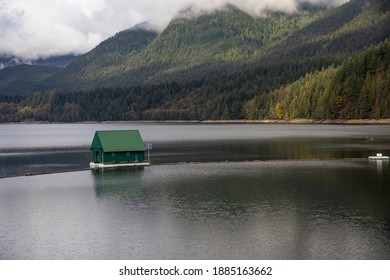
(124, 184)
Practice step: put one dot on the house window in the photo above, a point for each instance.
(128, 154)
(113, 154)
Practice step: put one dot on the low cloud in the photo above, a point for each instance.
(44, 28)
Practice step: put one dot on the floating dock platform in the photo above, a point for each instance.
(378, 157)
(94, 165)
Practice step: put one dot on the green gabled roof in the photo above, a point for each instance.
(118, 141)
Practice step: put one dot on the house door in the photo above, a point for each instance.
(97, 156)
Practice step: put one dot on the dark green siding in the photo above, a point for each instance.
(118, 157)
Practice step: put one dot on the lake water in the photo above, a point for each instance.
(232, 191)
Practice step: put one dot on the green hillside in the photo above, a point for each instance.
(226, 41)
(316, 63)
(358, 89)
(351, 27)
(104, 65)
(189, 48)
(24, 78)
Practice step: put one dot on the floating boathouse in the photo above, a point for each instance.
(116, 148)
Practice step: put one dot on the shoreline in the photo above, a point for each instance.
(304, 121)
(267, 121)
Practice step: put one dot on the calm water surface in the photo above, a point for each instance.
(37, 148)
(300, 199)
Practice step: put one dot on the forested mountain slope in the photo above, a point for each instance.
(351, 27)
(358, 89)
(324, 64)
(103, 65)
(24, 78)
(189, 47)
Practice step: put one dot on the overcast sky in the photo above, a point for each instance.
(33, 29)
